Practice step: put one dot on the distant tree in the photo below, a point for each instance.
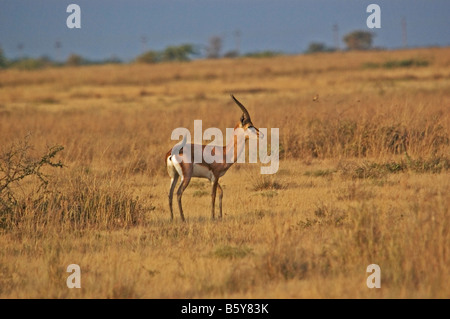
(178, 53)
(263, 54)
(149, 57)
(231, 54)
(31, 63)
(112, 60)
(3, 60)
(214, 47)
(74, 60)
(315, 47)
(359, 40)
(182, 52)
(45, 61)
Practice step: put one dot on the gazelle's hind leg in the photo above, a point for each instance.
(183, 185)
(173, 181)
(185, 179)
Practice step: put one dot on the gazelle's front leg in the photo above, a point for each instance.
(220, 200)
(213, 196)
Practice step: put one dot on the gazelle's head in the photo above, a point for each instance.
(246, 123)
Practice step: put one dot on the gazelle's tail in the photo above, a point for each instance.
(176, 149)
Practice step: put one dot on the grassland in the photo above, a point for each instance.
(363, 179)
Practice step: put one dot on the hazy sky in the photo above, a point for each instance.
(116, 27)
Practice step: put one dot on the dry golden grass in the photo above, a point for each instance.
(363, 179)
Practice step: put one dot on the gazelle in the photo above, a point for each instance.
(183, 165)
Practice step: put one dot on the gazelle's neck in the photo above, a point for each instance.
(235, 146)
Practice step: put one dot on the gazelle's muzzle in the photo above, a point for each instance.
(256, 131)
(260, 134)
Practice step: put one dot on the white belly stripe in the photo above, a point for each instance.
(202, 171)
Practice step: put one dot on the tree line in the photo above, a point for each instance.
(356, 40)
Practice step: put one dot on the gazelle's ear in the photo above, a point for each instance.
(242, 119)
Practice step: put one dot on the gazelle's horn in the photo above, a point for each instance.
(244, 110)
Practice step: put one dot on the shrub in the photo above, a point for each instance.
(16, 165)
(265, 183)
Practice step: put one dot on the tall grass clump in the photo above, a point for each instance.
(30, 198)
(373, 169)
(410, 245)
(330, 137)
(392, 64)
(89, 202)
